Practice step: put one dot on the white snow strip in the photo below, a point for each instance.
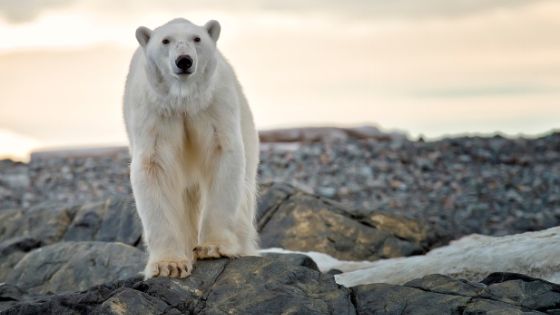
(325, 262)
(473, 257)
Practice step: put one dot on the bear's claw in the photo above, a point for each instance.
(169, 268)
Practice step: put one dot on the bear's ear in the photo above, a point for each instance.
(143, 35)
(213, 28)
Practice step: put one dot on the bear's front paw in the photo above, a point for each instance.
(173, 268)
(210, 251)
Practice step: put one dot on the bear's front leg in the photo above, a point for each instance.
(158, 196)
(217, 236)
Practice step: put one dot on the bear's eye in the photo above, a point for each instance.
(165, 41)
(196, 39)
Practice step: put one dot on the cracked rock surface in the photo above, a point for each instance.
(249, 285)
(258, 285)
(499, 293)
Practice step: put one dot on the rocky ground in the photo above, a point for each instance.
(86, 259)
(71, 242)
(493, 186)
(459, 186)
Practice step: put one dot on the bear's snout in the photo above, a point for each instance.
(184, 62)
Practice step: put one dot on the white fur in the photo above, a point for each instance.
(472, 257)
(194, 150)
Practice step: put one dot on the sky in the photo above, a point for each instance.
(426, 67)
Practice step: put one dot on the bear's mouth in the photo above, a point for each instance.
(182, 73)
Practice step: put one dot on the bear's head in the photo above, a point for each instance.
(180, 50)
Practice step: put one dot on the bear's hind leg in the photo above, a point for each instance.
(218, 237)
(245, 223)
(192, 202)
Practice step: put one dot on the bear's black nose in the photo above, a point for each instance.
(184, 62)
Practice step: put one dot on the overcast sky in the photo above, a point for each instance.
(430, 67)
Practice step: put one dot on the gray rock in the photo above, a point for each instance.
(46, 222)
(499, 293)
(131, 301)
(522, 290)
(111, 220)
(392, 299)
(12, 250)
(68, 266)
(446, 285)
(11, 295)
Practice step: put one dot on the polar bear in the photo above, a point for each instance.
(194, 149)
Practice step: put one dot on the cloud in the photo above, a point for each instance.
(394, 8)
(26, 10)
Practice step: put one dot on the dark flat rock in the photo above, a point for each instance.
(249, 285)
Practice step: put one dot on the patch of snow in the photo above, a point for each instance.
(473, 257)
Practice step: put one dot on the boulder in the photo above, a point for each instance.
(294, 220)
(46, 222)
(70, 266)
(110, 220)
(11, 252)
